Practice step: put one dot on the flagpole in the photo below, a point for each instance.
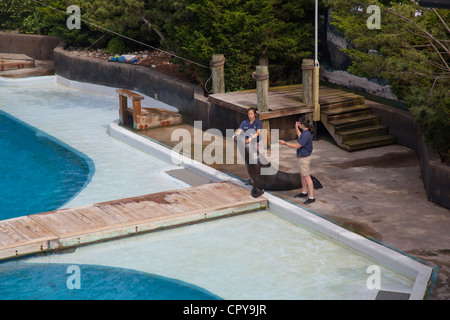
(316, 115)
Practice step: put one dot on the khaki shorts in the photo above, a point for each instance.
(303, 165)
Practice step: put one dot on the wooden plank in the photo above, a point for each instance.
(14, 60)
(12, 64)
(22, 235)
(15, 56)
(284, 113)
(130, 94)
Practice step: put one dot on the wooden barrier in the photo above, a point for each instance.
(143, 118)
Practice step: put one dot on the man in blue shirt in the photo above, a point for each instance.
(304, 147)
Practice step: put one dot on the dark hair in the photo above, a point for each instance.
(307, 123)
(252, 108)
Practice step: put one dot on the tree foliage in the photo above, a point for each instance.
(278, 32)
(411, 50)
(246, 32)
(13, 12)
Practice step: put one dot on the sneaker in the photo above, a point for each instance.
(301, 195)
(310, 200)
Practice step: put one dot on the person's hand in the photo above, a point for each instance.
(248, 140)
(282, 142)
(297, 124)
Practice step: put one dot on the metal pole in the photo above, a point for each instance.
(316, 35)
(316, 115)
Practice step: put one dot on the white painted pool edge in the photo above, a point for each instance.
(391, 258)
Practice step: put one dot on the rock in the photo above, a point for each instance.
(346, 79)
(335, 42)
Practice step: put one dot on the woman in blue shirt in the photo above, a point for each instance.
(304, 147)
(252, 129)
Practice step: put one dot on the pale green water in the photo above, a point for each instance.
(251, 256)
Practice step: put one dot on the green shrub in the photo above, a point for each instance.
(115, 46)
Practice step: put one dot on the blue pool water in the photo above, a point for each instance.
(91, 282)
(38, 173)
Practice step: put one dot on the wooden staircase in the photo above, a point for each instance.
(353, 126)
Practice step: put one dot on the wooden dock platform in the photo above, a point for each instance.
(101, 221)
(15, 61)
(283, 101)
(347, 118)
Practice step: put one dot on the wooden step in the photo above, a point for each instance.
(372, 142)
(349, 115)
(354, 122)
(325, 105)
(362, 133)
(346, 109)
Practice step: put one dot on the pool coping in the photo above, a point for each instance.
(390, 257)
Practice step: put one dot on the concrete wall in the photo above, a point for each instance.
(401, 124)
(186, 97)
(121, 75)
(37, 47)
(435, 175)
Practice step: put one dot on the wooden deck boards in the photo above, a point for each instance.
(283, 101)
(100, 221)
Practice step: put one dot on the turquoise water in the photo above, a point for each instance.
(38, 172)
(80, 119)
(91, 282)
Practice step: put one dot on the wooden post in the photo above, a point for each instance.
(136, 113)
(262, 88)
(136, 98)
(262, 94)
(218, 75)
(123, 114)
(316, 95)
(308, 82)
